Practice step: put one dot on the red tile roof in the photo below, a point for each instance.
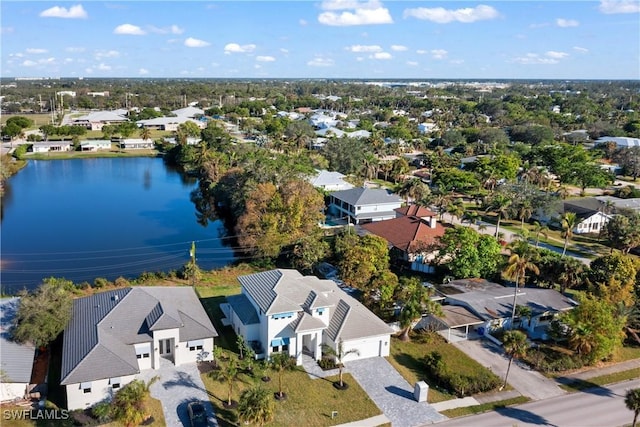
(405, 233)
(415, 210)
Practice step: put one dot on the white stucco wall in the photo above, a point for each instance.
(163, 335)
(186, 355)
(11, 391)
(100, 390)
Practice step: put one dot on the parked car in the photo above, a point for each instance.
(197, 414)
(327, 271)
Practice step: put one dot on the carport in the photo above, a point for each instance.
(455, 320)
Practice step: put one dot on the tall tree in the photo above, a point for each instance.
(130, 404)
(632, 401)
(227, 374)
(339, 353)
(623, 231)
(499, 204)
(568, 222)
(515, 346)
(281, 362)
(417, 302)
(467, 253)
(540, 229)
(44, 313)
(518, 265)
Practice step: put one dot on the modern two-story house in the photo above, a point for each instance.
(362, 205)
(114, 335)
(283, 311)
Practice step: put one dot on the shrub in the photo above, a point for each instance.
(327, 363)
(461, 385)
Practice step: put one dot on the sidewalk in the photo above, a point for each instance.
(605, 370)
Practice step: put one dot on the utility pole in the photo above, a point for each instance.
(192, 254)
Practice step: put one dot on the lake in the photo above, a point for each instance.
(106, 217)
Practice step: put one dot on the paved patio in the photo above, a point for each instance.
(179, 385)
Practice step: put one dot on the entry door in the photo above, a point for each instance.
(165, 346)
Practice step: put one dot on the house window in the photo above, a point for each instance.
(85, 387)
(275, 349)
(142, 356)
(320, 311)
(86, 390)
(195, 345)
(115, 383)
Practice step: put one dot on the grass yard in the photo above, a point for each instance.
(38, 119)
(309, 402)
(572, 385)
(407, 358)
(478, 409)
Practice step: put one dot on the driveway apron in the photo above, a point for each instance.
(391, 393)
(179, 385)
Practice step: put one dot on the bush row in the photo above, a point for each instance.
(460, 385)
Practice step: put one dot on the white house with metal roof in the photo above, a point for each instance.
(16, 360)
(363, 205)
(114, 335)
(283, 311)
(330, 181)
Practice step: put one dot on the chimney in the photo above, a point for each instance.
(432, 221)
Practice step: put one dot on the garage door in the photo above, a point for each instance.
(366, 348)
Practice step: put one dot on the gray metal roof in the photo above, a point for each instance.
(98, 342)
(244, 309)
(366, 196)
(282, 290)
(16, 360)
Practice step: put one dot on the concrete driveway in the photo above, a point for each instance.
(391, 393)
(529, 383)
(179, 385)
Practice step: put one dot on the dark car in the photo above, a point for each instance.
(197, 414)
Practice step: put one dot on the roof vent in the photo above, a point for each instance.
(115, 297)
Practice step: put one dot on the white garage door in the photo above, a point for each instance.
(366, 348)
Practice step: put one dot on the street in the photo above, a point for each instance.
(597, 407)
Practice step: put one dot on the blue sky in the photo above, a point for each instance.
(322, 39)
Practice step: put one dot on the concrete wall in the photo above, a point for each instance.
(11, 391)
(100, 390)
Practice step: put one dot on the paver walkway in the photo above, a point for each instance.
(179, 385)
(391, 393)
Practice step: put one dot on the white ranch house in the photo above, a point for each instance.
(283, 311)
(16, 360)
(114, 335)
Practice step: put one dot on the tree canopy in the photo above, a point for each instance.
(467, 253)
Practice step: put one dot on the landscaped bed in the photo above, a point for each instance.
(409, 360)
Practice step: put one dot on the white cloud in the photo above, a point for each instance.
(456, 61)
(191, 42)
(381, 55)
(360, 13)
(412, 63)
(173, 29)
(17, 55)
(75, 49)
(265, 58)
(128, 29)
(358, 48)
(283, 50)
(439, 54)
(68, 60)
(36, 51)
(104, 67)
(106, 54)
(399, 48)
(29, 63)
(88, 70)
(319, 61)
(74, 12)
(422, 52)
(236, 48)
(534, 58)
(581, 49)
(303, 22)
(566, 23)
(441, 15)
(257, 66)
(610, 7)
(556, 55)
(542, 25)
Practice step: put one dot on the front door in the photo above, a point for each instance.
(165, 348)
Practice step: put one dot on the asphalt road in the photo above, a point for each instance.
(596, 407)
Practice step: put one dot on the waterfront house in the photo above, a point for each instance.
(283, 311)
(114, 335)
(16, 360)
(362, 205)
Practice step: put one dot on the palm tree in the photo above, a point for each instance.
(571, 273)
(417, 302)
(515, 346)
(569, 221)
(500, 205)
(525, 210)
(413, 189)
(145, 134)
(456, 209)
(539, 229)
(632, 400)
(227, 374)
(281, 362)
(129, 404)
(256, 406)
(581, 339)
(517, 267)
(339, 354)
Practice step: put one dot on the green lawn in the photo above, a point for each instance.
(572, 385)
(407, 358)
(309, 402)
